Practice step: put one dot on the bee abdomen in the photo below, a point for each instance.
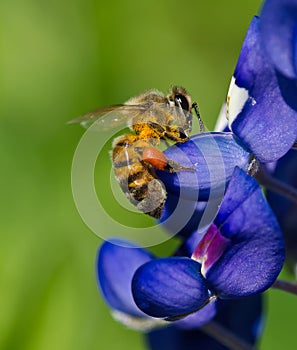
(155, 198)
(136, 177)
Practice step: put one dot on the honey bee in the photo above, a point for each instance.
(152, 116)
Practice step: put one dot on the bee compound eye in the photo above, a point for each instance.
(182, 101)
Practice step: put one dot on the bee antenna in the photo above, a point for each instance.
(196, 109)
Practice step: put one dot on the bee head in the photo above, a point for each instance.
(182, 99)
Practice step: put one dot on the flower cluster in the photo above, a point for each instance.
(227, 259)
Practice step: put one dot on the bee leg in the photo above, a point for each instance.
(155, 159)
(201, 124)
(174, 167)
(159, 129)
(154, 200)
(176, 134)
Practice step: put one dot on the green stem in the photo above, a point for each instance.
(275, 185)
(225, 337)
(290, 287)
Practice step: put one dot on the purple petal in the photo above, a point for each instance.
(253, 260)
(214, 156)
(278, 28)
(263, 121)
(169, 287)
(116, 263)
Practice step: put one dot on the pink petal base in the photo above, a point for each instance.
(210, 248)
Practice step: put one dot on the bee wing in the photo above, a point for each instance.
(111, 116)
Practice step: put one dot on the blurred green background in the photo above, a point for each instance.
(60, 59)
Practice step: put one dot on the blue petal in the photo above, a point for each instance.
(199, 318)
(278, 28)
(189, 245)
(214, 156)
(264, 123)
(242, 317)
(278, 33)
(174, 338)
(181, 216)
(116, 263)
(169, 287)
(241, 188)
(288, 88)
(255, 258)
(284, 209)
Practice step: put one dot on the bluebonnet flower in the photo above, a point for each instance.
(257, 112)
(241, 254)
(118, 261)
(229, 243)
(241, 251)
(116, 264)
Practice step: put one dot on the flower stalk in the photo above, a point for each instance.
(225, 337)
(286, 286)
(276, 185)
